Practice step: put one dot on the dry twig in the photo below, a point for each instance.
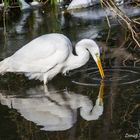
(130, 23)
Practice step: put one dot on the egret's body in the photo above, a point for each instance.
(48, 55)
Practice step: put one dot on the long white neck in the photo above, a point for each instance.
(82, 49)
(76, 61)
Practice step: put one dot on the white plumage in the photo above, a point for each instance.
(56, 111)
(50, 54)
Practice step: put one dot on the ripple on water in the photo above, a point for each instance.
(118, 75)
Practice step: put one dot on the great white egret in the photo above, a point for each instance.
(50, 54)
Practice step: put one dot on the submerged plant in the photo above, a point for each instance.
(53, 2)
(6, 4)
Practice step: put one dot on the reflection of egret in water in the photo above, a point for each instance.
(57, 110)
(91, 77)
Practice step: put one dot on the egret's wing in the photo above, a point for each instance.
(36, 49)
(43, 47)
(40, 54)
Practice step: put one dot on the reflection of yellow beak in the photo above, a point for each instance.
(100, 67)
(101, 93)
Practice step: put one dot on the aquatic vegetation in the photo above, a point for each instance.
(129, 23)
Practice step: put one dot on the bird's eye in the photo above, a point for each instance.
(96, 54)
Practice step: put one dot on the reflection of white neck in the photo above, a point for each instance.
(56, 111)
(88, 112)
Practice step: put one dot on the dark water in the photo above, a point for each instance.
(79, 106)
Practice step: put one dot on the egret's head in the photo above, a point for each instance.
(95, 52)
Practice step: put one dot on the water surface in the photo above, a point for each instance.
(79, 106)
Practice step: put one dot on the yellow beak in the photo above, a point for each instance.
(100, 67)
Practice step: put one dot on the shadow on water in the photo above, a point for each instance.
(78, 106)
